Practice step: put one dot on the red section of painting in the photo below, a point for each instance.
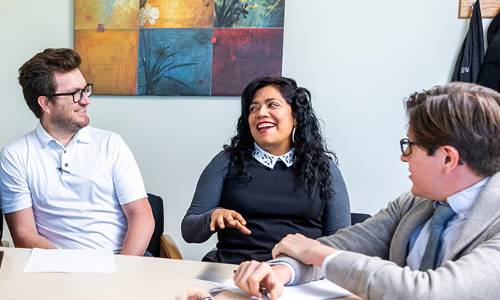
(242, 54)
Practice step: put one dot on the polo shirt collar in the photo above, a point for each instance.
(269, 160)
(82, 136)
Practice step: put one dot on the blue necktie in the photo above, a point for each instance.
(442, 214)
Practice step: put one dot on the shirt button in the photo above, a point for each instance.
(66, 165)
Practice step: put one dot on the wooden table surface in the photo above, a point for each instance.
(138, 278)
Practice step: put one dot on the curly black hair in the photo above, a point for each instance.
(312, 157)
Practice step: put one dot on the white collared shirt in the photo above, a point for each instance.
(76, 191)
(461, 204)
(269, 160)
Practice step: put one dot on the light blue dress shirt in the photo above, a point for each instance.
(461, 204)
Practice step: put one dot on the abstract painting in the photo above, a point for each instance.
(178, 47)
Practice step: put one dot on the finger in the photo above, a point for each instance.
(240, 276)
(220, 222)
(262, 276)
(239, 218)
(282, 246)
(212, 225)
(276, 250)
(244, 279)
(243, 229)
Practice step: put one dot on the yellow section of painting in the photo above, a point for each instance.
(109, 60)
(182, 14)
(106, 14)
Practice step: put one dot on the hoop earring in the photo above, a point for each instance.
(293, 135)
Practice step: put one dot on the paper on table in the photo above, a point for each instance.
(70, 261)
(315, 290)
(321, 289)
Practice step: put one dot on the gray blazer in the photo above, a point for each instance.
(373, 264)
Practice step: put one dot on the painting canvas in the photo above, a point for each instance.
(178, 47)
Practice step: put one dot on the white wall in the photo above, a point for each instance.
(358, 58)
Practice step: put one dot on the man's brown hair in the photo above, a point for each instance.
(36, 76)
(463, 115)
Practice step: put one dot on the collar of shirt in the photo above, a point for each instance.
(270, 160)
(462, 201)
(82, 136)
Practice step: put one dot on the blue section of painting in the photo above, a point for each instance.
(175, 61)
(249, 13)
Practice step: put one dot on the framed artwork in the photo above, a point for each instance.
(178, 47)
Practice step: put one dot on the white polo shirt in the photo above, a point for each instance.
(76, 191)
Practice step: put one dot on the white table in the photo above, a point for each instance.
(137, 278)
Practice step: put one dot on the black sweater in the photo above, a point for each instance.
(271, 203)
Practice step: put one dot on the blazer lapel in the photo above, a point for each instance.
(484, 211)
(409, 222)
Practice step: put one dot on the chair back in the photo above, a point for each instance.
(156, 203)
(1, 224)
(359, 218)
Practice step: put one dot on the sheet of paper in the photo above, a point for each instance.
(321, 289)
(70, 261)
(315, 290)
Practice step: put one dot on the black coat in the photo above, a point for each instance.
(490, 70)
(471, 54)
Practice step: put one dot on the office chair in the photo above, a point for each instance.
(359, 218)
(2, 243)
(1, 224)
(161, 245)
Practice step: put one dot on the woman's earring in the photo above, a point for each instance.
(293, 135)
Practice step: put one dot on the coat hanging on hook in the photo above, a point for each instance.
(471, 55)
(490, 70)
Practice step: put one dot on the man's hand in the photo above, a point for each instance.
(222, 217)
(252, 275)
(304, 249)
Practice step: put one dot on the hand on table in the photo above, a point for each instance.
(252, 275)
(303, 249)
(222, 217)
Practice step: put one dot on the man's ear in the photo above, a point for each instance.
(43, 101)
(451, 158)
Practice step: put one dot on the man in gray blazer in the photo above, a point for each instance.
(441, 240)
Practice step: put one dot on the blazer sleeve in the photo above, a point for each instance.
(473, 276)
(195, 226)
(372, 238)
(337, 213)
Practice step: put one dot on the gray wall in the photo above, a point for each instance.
(358, 58)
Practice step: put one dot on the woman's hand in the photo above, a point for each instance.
(222, 217)
(252, 276)
(303, 249)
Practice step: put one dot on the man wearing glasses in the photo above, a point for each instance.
(66, 184)
(442, 240)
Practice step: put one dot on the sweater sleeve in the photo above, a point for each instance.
(195, 225)
(337, 213)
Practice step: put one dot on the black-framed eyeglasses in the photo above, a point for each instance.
(405, 145)
(78, 94)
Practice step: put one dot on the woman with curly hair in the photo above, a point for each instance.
(275, 178)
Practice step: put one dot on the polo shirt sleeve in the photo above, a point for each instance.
(127, 178)
(14, 190)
